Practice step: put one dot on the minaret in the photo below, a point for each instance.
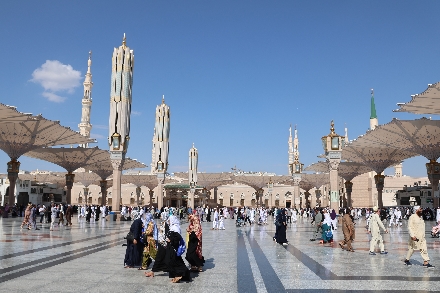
(161, 135)
(120, 111)
(296, 146)
(85, 126)
(373, 116)
(153, 154)
(290, 150)
(161, 138)
(346, 135)
(192, 173)
(398, 170)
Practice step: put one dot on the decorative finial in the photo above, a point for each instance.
(372, 91)
(90, 54)
(163, 99)
(193, 145)
(332, 129)
(124, 43)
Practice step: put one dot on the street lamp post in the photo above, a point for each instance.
(120, 110)
(332, 144)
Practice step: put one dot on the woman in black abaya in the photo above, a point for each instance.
(176, 267)
(133, 253)
(194, 251)
(281, 231)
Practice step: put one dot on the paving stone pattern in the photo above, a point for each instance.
(88, 257)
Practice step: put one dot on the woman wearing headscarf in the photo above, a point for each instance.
(149, 237)
(194, 252)
(281, 220)
(326, 227)
(133, 253)
(159, 262)
(176, 267)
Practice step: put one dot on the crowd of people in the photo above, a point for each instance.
(165, 245)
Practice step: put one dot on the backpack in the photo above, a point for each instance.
(182, 247)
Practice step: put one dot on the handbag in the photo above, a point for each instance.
(182, 247)
(130, 237)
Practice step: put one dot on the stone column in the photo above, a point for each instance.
(160, 181)
(433, 170)
(116, 191)
(348, 190)
(86, 194)
(69, 184)
(334, 183)
(103, 185)
(13, 169)
(138, 194)
(151, 193)
(191, 198)
(379, 179)
(306, 195)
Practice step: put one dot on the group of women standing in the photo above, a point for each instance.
(165, 246)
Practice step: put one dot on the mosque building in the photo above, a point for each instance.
(279, 194)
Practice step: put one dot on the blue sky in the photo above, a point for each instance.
(236, 74)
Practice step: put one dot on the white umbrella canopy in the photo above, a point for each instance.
(420, 136)
(10, 114)
(104, 167)
(208, 180)
(316, 180)
(427, 102)
(70, 158)
(86, 178)
(346, 170)
(376, 158)
(20, 137)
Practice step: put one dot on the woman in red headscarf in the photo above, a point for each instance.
(194, 252)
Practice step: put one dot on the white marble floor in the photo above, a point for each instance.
(89, 258)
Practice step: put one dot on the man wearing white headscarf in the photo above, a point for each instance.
(374, 227)
(215, 221)
(417, 241)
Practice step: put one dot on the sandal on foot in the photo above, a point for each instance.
(176, 280)
(342, 246)
(142, 269)
(149, 274)
(200, 269)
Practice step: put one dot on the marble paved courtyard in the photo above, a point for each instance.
(89, 258)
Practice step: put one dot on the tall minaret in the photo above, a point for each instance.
(373, 116)
(290, 150)
(161, 136)
(85, 126)
(153, 154)
(296, 146)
